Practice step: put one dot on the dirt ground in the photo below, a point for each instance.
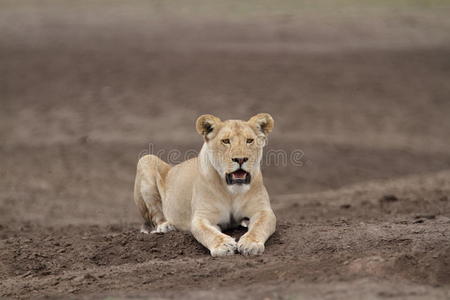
(360, 89)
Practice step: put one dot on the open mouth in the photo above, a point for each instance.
(238, 177)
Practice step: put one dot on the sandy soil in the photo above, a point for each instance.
(361, 90)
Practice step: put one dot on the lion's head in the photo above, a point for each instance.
(235, 147)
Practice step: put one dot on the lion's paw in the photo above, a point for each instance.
(228, 247)
(163, 228)
(250, 247)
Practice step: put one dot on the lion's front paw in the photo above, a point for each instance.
(227, 247)
(248, 246)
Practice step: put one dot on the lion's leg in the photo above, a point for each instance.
(260, 228)
(210, 236)
(148, 190)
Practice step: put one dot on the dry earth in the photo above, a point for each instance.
(361, 89)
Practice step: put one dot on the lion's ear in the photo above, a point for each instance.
(206, 124)
(263, 122)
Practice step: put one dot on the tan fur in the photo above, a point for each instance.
(193, 196)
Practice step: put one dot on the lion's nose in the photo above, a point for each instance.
(240, 160)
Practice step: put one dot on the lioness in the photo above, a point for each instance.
(221, 188)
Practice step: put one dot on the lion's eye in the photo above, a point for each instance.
(249, 141)
(226, 141)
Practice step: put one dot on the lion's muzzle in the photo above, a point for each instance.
(239, 176)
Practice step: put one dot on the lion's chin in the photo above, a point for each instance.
(239, 176)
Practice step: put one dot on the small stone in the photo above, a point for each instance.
(389, 198)
(429, 217)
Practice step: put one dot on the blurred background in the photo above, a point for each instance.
(361, 87)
